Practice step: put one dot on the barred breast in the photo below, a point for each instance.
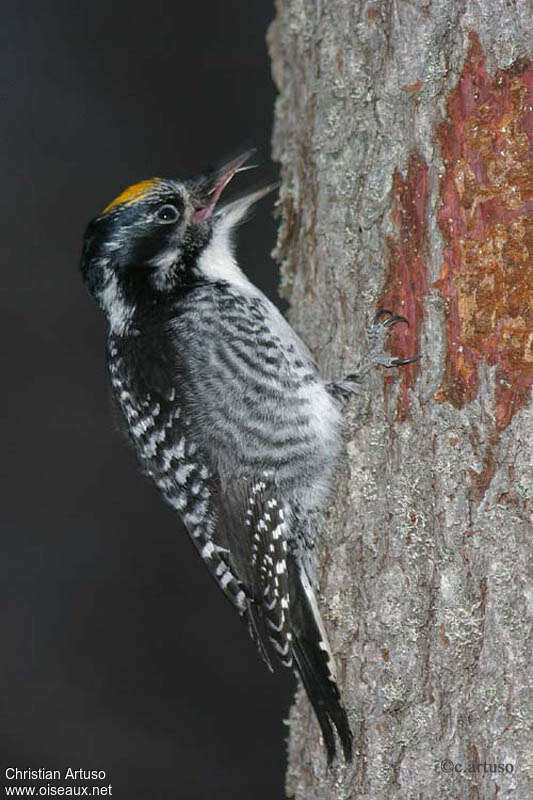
(258, 404)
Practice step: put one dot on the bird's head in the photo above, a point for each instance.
(159, 236)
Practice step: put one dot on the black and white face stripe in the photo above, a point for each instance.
(142, 244)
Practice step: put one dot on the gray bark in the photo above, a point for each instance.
(426, 545)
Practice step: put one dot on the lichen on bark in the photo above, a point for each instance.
(426, 545)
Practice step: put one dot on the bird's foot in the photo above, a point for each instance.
(377, 335)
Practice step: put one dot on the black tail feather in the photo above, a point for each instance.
(314, 694)
(312, 656)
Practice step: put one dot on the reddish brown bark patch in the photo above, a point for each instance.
(480, 481)
(413, 87)
(487, 222)
(406, 283)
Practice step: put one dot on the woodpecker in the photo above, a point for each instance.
(226, 410)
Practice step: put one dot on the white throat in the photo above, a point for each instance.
(217, 261)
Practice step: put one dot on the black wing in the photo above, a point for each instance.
(251, 525)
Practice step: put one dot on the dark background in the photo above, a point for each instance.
(118, 652)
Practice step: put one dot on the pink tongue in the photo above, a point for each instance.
(226, 175)
(206, 211)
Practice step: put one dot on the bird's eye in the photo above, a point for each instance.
(167, 213)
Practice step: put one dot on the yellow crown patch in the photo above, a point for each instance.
(132, 194)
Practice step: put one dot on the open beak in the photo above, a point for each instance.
(223, 177)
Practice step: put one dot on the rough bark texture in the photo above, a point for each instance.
(404, 132)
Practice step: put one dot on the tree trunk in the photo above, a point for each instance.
(405, 132)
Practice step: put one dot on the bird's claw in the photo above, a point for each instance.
(381, 324)
(392, 318)
(401, 362)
